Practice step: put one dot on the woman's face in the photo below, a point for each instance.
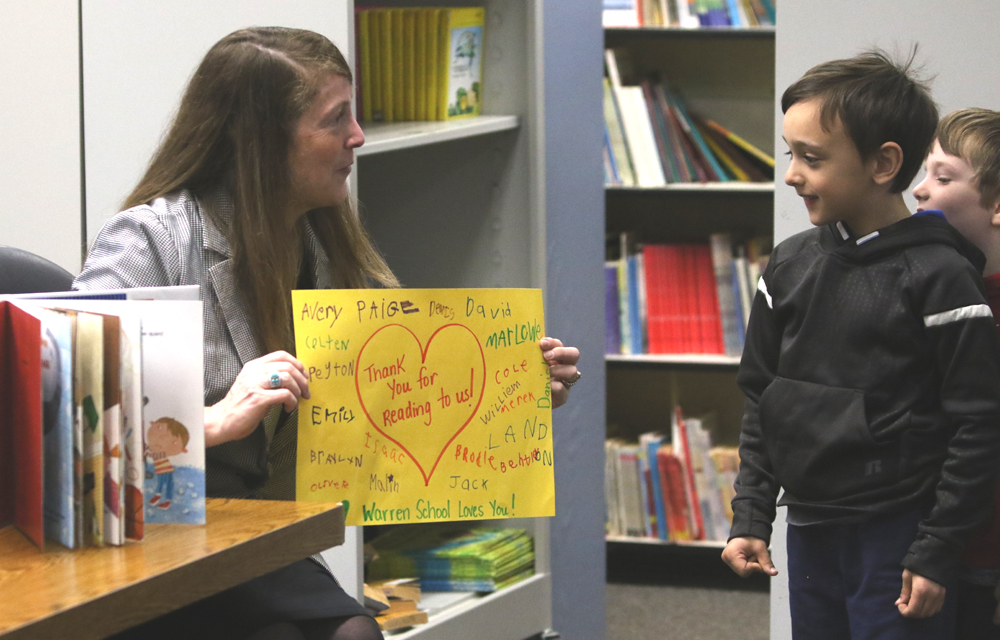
(323, 148)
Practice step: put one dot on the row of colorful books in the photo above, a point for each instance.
(689, 13)
(681, 298)
(677, 487)
(102, 430)
(419, 63)
(651, 139)
(453, 557)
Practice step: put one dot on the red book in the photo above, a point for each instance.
(671, 299)
(21, 422)
(680, 438)
(674, 502)
(689, 303)
(654, 305)
(708, 302)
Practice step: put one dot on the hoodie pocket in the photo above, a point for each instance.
(819, 441)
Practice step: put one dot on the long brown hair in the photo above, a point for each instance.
(234, 128)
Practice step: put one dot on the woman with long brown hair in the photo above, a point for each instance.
(247, 198)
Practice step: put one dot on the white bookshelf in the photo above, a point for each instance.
(725, 75)
(672, 360)
(383, 137)
(656, 542)
(700, 187)
(509, 613)
(461, 204)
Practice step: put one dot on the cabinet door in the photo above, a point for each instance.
(40, 130)
(137, 59)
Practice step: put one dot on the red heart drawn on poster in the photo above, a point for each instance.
(414, 395)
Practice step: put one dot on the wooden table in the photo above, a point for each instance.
(91, 593)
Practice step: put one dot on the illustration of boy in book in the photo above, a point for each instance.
(166, 437)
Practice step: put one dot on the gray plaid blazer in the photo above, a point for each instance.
(169, 242)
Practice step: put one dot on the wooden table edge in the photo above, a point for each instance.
(155, 595)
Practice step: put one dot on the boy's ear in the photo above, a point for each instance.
(995, 216)
(886, 163)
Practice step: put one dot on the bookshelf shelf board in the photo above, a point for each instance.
(698, 187)
(683, 360)
(693, 544)
(383, 137)
(680, 32)
(490, 615)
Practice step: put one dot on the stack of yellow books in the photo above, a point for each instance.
(419, 63)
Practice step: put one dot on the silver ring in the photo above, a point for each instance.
(274, 380)
(574, 380)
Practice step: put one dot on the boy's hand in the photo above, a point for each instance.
(748, 555)
(921, 597)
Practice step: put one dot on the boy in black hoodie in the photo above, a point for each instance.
(871, 370)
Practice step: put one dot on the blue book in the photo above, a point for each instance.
(698, 140)
(653, 441)
(615, 176)
(612, 325)
(769, 9)
(634, 318)
(740, 329)
(57, 425)
(732, 7)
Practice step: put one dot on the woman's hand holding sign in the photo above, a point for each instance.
(562, 368)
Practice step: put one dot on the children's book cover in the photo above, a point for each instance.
(89, 390)
(409, 42)
(112, 451)
(57, 425)
(173, 469)
(432, 18)
(461, 44)
(398, 56)
(21, 472)
(364, 66)
(173, 383)
(386, 67)
(132, 432)
(420, 63)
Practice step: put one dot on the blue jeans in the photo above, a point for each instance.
(165, 485)
(843, 582)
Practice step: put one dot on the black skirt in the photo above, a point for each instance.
(301, 591)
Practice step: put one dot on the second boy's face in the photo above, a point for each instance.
(951, 186)
(826, 168)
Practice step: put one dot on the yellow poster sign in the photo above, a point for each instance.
(426, 404)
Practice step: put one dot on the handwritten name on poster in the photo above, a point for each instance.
(426, 404)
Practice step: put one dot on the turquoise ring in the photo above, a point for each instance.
(274, 379)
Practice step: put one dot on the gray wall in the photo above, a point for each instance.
(573, 39)
(40, 166)
(957, 45)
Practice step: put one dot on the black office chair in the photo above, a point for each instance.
(25, 272)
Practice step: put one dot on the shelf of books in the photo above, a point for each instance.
(682, 360)
(673, 31)
(690, 15)
(446, 167)
(689, 185)
(381, 137)
(457, 574)
(490, 614)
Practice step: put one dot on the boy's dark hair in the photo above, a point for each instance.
(877, 100)
(974, 136)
